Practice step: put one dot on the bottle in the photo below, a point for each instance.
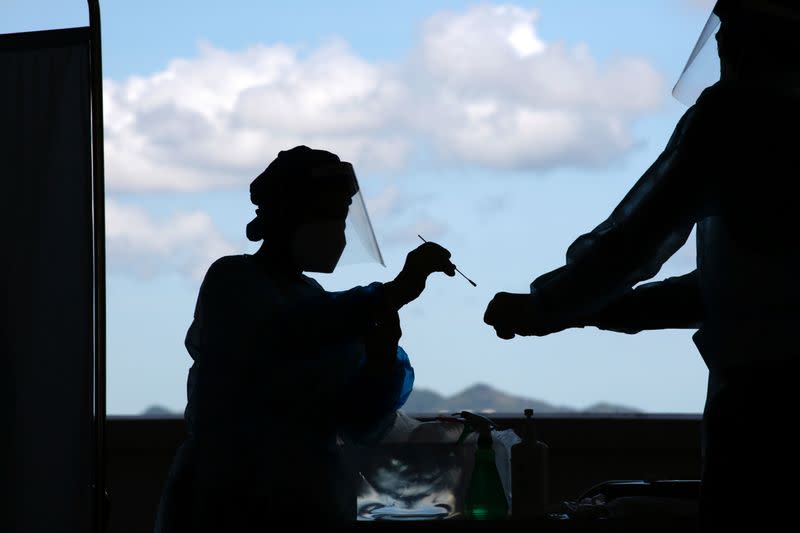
(529, 473)
(485, 498)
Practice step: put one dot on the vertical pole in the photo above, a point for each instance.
(98, 201)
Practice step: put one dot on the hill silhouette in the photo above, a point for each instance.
(479, 398)
(484, 398)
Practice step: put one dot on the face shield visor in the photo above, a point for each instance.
(703, 67)
(763, 42)
(361, 245)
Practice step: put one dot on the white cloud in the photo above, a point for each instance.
(185, 242)
(481, 87)
(543, 105)
(219, 119)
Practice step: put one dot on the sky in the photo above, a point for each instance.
(500, 130)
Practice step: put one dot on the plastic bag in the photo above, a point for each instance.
(420, 471)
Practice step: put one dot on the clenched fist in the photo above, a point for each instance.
(517, 314)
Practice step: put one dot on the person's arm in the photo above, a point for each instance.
(381, 386)
(335, 315)
(650, 224)
(673, 303)
(647, 228)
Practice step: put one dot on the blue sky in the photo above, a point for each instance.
(502, 131)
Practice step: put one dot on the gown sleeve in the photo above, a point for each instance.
(650, 224)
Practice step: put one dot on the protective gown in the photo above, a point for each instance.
(729, 170)
(278, 376)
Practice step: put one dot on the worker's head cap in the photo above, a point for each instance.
(303, 184)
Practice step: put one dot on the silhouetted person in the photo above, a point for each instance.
(730, 169)
(282, 367)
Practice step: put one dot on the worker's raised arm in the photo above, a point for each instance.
(647, 227)
(674, 303)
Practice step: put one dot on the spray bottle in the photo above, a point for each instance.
(529, 473)
(485, 498)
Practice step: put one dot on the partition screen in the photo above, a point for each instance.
(49, 360)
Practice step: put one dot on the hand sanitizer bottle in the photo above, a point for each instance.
(485, 498)
(529, 473)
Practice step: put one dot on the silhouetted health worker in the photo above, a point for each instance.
(283, 370)
(730, 170)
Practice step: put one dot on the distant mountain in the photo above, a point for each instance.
(483, 398)
(479, 398)
(603, 407)
(158, 410)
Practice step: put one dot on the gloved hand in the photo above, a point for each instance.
(517, 314)
(420, 263)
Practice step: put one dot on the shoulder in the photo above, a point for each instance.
(229, 263)
(708, 121)
(236, 281)
(744, 115)
(736, 104)
(228, 270)
(314, 283)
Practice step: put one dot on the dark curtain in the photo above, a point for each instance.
(47, 358)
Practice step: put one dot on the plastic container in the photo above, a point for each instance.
(530, 482)
(485, 498)
(422, 470)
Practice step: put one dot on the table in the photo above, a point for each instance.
(650, 524)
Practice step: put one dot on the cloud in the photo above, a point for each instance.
(218, 119)
(481, 87)
(503, 105)
(185, 242)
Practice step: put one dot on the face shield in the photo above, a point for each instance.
(764, 33)
(703, 67)
(361, 245)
